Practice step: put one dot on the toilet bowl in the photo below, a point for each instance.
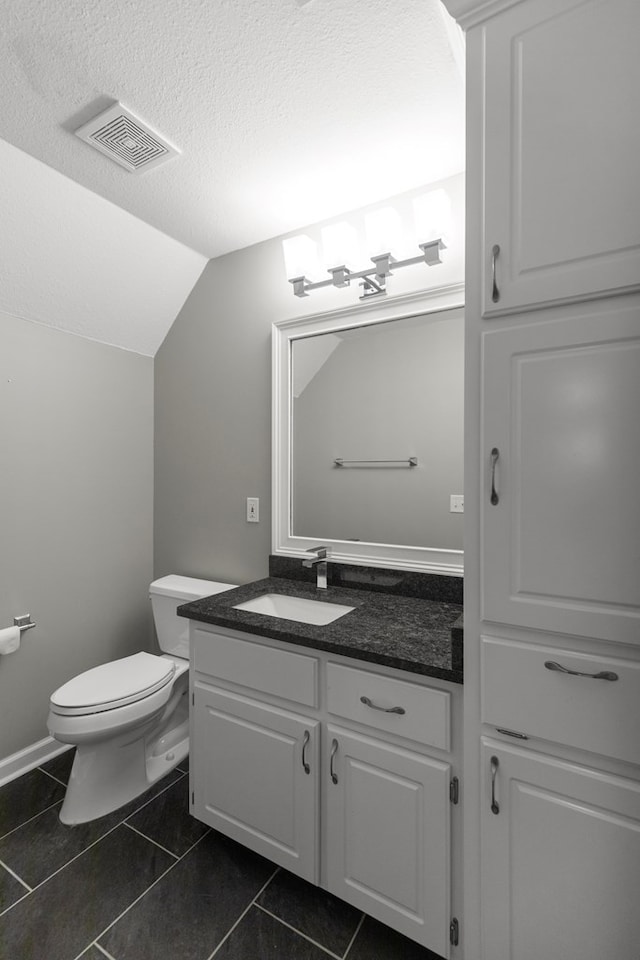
(129, 719)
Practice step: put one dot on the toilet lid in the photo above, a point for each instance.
(114, 684)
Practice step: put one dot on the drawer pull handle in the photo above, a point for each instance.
(495, 293)
(305, 741)
(334, 750)
(495, 806)
(602, 675)
(495, 456)
(374, 706)
(512, 733)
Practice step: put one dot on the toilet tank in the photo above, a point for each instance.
(167, 594)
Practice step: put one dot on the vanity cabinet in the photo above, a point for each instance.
(388, 834)
(340, 774)
(560, 141)
(256, 776)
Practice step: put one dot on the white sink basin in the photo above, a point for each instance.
(295, 608)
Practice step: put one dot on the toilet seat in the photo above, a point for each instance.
(113, 685)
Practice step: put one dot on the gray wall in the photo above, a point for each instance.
(76, 461)
(213, 405)
(213, 425)
(389, 391)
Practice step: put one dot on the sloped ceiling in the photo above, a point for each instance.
(72, 260)
(286, 113)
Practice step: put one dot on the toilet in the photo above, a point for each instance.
(129, 719)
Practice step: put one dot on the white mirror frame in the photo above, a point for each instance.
(395, 556)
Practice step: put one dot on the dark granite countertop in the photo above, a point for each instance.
(408, 633)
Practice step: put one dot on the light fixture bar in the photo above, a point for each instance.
(374, 277)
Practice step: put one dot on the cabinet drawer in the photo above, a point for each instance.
(521, 694)
(426, 711)
(280, 673)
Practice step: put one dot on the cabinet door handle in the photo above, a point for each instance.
(334, 750)
(495, 456)
(495, 293)
(495, 807)
(374, 706)
(602, 675)
(305, 741)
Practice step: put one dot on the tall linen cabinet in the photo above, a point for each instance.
(552, 462)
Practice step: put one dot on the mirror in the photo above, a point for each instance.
(368, 435)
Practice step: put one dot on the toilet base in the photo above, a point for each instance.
(109, 774)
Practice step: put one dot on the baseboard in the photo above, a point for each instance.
(32, 756)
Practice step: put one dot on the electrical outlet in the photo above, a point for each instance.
(253, 510)
(456, 503)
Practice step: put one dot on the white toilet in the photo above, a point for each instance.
(129, 718)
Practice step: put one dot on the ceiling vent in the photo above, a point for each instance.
(125, 138)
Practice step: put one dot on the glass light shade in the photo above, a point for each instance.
(301, 257)
(432, 214)
(340, 245)
(383, 230)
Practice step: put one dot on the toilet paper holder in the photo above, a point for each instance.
(23, 622)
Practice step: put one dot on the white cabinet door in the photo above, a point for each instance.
(560, 518)
(560, 860)
(387, 835)
(255, 777)
(561, 141)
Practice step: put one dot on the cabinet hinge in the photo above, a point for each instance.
(193, 798)
(193, 699)
(454, 790)
(454, 932)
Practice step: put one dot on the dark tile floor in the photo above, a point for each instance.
(151, 883)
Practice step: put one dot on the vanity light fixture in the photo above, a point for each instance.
(374, 279)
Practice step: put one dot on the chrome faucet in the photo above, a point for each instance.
(320, 563)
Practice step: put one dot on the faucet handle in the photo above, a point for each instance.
(321, 551)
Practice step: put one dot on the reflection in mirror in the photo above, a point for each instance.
(389, 392)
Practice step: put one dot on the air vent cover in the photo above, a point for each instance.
(125, 138)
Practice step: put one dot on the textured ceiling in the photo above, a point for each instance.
(286, 113)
